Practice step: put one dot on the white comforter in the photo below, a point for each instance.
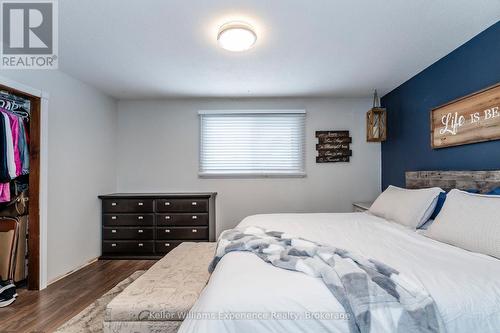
(464, 285)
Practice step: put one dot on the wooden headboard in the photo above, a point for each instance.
(484, 181)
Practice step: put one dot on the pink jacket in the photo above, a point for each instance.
(14, 126)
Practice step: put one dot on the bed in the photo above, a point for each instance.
(245, 294)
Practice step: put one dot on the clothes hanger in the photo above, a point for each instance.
(15, 104)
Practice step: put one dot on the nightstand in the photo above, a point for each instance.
(361, 206)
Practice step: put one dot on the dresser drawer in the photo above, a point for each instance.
(182, 205)
(128, 219)
(182, 233)
(165, 246)
(127, 205)
(127, 247)
(195, 219)
(127, 233)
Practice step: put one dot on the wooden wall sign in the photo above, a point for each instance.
(333, 146)
(470, 119)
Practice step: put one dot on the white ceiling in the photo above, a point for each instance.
(148, 48)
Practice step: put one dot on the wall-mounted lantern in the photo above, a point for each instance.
(376, 122)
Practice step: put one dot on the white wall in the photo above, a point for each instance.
(81, 165)
(158, 152)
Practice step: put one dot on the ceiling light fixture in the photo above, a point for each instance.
(236, 36)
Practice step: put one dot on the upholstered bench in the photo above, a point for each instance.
(158, 299)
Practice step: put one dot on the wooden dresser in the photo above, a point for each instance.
(149, 225)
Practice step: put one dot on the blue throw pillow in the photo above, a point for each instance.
(439, 205)
(495, 191)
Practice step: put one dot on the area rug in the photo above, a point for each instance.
(90, 320)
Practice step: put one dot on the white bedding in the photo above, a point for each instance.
(464, 285)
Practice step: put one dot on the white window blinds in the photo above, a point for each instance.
(252, 143)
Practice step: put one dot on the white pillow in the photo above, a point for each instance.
(470, 221)
(411, 208)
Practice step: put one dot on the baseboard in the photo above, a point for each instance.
(72, 271)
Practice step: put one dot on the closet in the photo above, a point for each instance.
(19, 186)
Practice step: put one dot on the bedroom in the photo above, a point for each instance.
(144, 136)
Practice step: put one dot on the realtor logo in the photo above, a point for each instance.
(29, 34)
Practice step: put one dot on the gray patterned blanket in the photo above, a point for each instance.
(372, 294)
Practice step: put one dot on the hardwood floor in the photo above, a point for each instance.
(46, 310)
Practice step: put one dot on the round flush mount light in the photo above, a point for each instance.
(236, 36)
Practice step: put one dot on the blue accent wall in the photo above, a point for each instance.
(471, 67)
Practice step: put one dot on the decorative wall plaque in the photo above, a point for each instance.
(470, 119)
(333, 146)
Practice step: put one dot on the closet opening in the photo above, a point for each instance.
(22, 180)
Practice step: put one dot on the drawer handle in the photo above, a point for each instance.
(194, 230)
(194, 217)
(167, 244)
(140, 231)
(167, 217)
(167, 203)
(113, 217)
(113, 245)
(141, 245)
(113, 204)
(167, 230)
(140, 217)
(140, 204)
(194, 203)
(113, 231)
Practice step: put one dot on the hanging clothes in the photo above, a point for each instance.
(11, 164)
(4, 169)
(23, 148)
(14, 127)
(20, 142)
(14, 141)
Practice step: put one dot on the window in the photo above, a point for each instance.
(252, 143)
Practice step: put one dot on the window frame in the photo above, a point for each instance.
(254, 175)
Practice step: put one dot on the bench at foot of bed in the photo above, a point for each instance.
(158, 300)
